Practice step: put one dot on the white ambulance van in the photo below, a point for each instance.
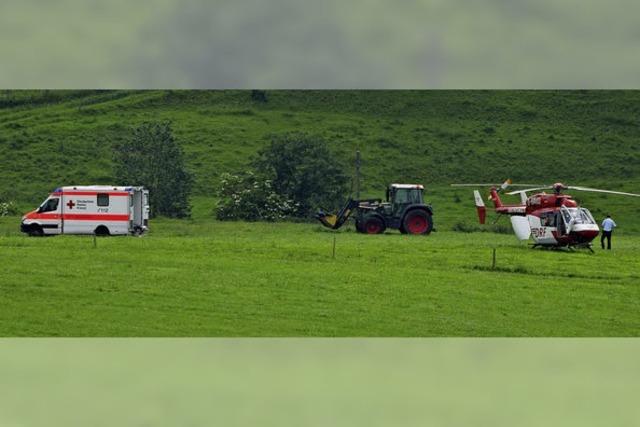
(90, 209)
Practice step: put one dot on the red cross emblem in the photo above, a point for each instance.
(71, 204)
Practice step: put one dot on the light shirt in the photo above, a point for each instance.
(608, 224)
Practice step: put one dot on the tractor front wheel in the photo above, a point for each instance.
(417, 222)
(373, 225)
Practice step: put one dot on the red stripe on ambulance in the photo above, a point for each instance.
(82, 217)
(99, 217)
(91, 193)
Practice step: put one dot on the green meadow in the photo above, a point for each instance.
(207, 278)
(200, 277)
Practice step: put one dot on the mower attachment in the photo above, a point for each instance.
(336, 221)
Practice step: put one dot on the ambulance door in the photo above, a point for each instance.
(137, 208)
(50, 215)
(567, 220)
(145, 209)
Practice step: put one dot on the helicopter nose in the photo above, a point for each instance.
(586, 236)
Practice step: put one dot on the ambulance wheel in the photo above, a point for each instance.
(102, 231)
(36, 231)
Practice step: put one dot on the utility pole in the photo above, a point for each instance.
(358, 174)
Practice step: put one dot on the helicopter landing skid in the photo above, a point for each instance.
(582, 246)
(569, 248)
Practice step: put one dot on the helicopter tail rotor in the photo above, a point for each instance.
(480, 207)
(505, 185)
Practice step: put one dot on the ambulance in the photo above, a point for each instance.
(90, 209)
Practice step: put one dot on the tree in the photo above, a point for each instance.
(303, 169)
(259, 96)
(153, 158)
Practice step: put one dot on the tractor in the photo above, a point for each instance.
(404, 210)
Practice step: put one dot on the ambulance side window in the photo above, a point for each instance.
(51, 205)
(103, 199)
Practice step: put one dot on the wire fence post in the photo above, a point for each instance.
(334, 247)
(95, 241)
(493, 262)
(358, 163)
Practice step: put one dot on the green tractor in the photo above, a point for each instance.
(404, 210)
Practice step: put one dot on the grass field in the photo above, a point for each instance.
(206, 278)
(202, 277)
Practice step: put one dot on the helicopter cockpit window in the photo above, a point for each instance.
(582, 216)
(587, 215)
(578, 216)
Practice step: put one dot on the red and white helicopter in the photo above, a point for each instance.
(553, 220)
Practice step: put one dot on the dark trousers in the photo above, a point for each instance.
(607, 235)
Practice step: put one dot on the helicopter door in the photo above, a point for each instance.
(564, 221)
(521, 226)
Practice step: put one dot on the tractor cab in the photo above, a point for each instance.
(400, 196)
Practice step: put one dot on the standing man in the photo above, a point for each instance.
(607, 228)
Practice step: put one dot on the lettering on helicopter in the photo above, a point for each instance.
(534, 201)
(538, 232)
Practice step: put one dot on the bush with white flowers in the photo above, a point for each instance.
(250, 198)
(8, 208)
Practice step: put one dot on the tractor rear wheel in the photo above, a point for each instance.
(417, 222)
(373, 225)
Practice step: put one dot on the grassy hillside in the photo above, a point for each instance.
(51, 138)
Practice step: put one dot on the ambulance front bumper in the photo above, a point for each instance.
(24, 227)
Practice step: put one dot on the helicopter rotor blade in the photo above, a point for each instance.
(474, 185)
(494, 185)
(511, 193)
(597, 190)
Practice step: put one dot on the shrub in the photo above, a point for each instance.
(8, 209)
(463, 227)
(250, 198)
(302, 169)
(259, 95)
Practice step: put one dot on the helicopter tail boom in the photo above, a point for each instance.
(495, 198)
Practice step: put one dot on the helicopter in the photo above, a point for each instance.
(554, 220)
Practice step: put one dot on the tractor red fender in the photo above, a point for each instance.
(427, 208)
